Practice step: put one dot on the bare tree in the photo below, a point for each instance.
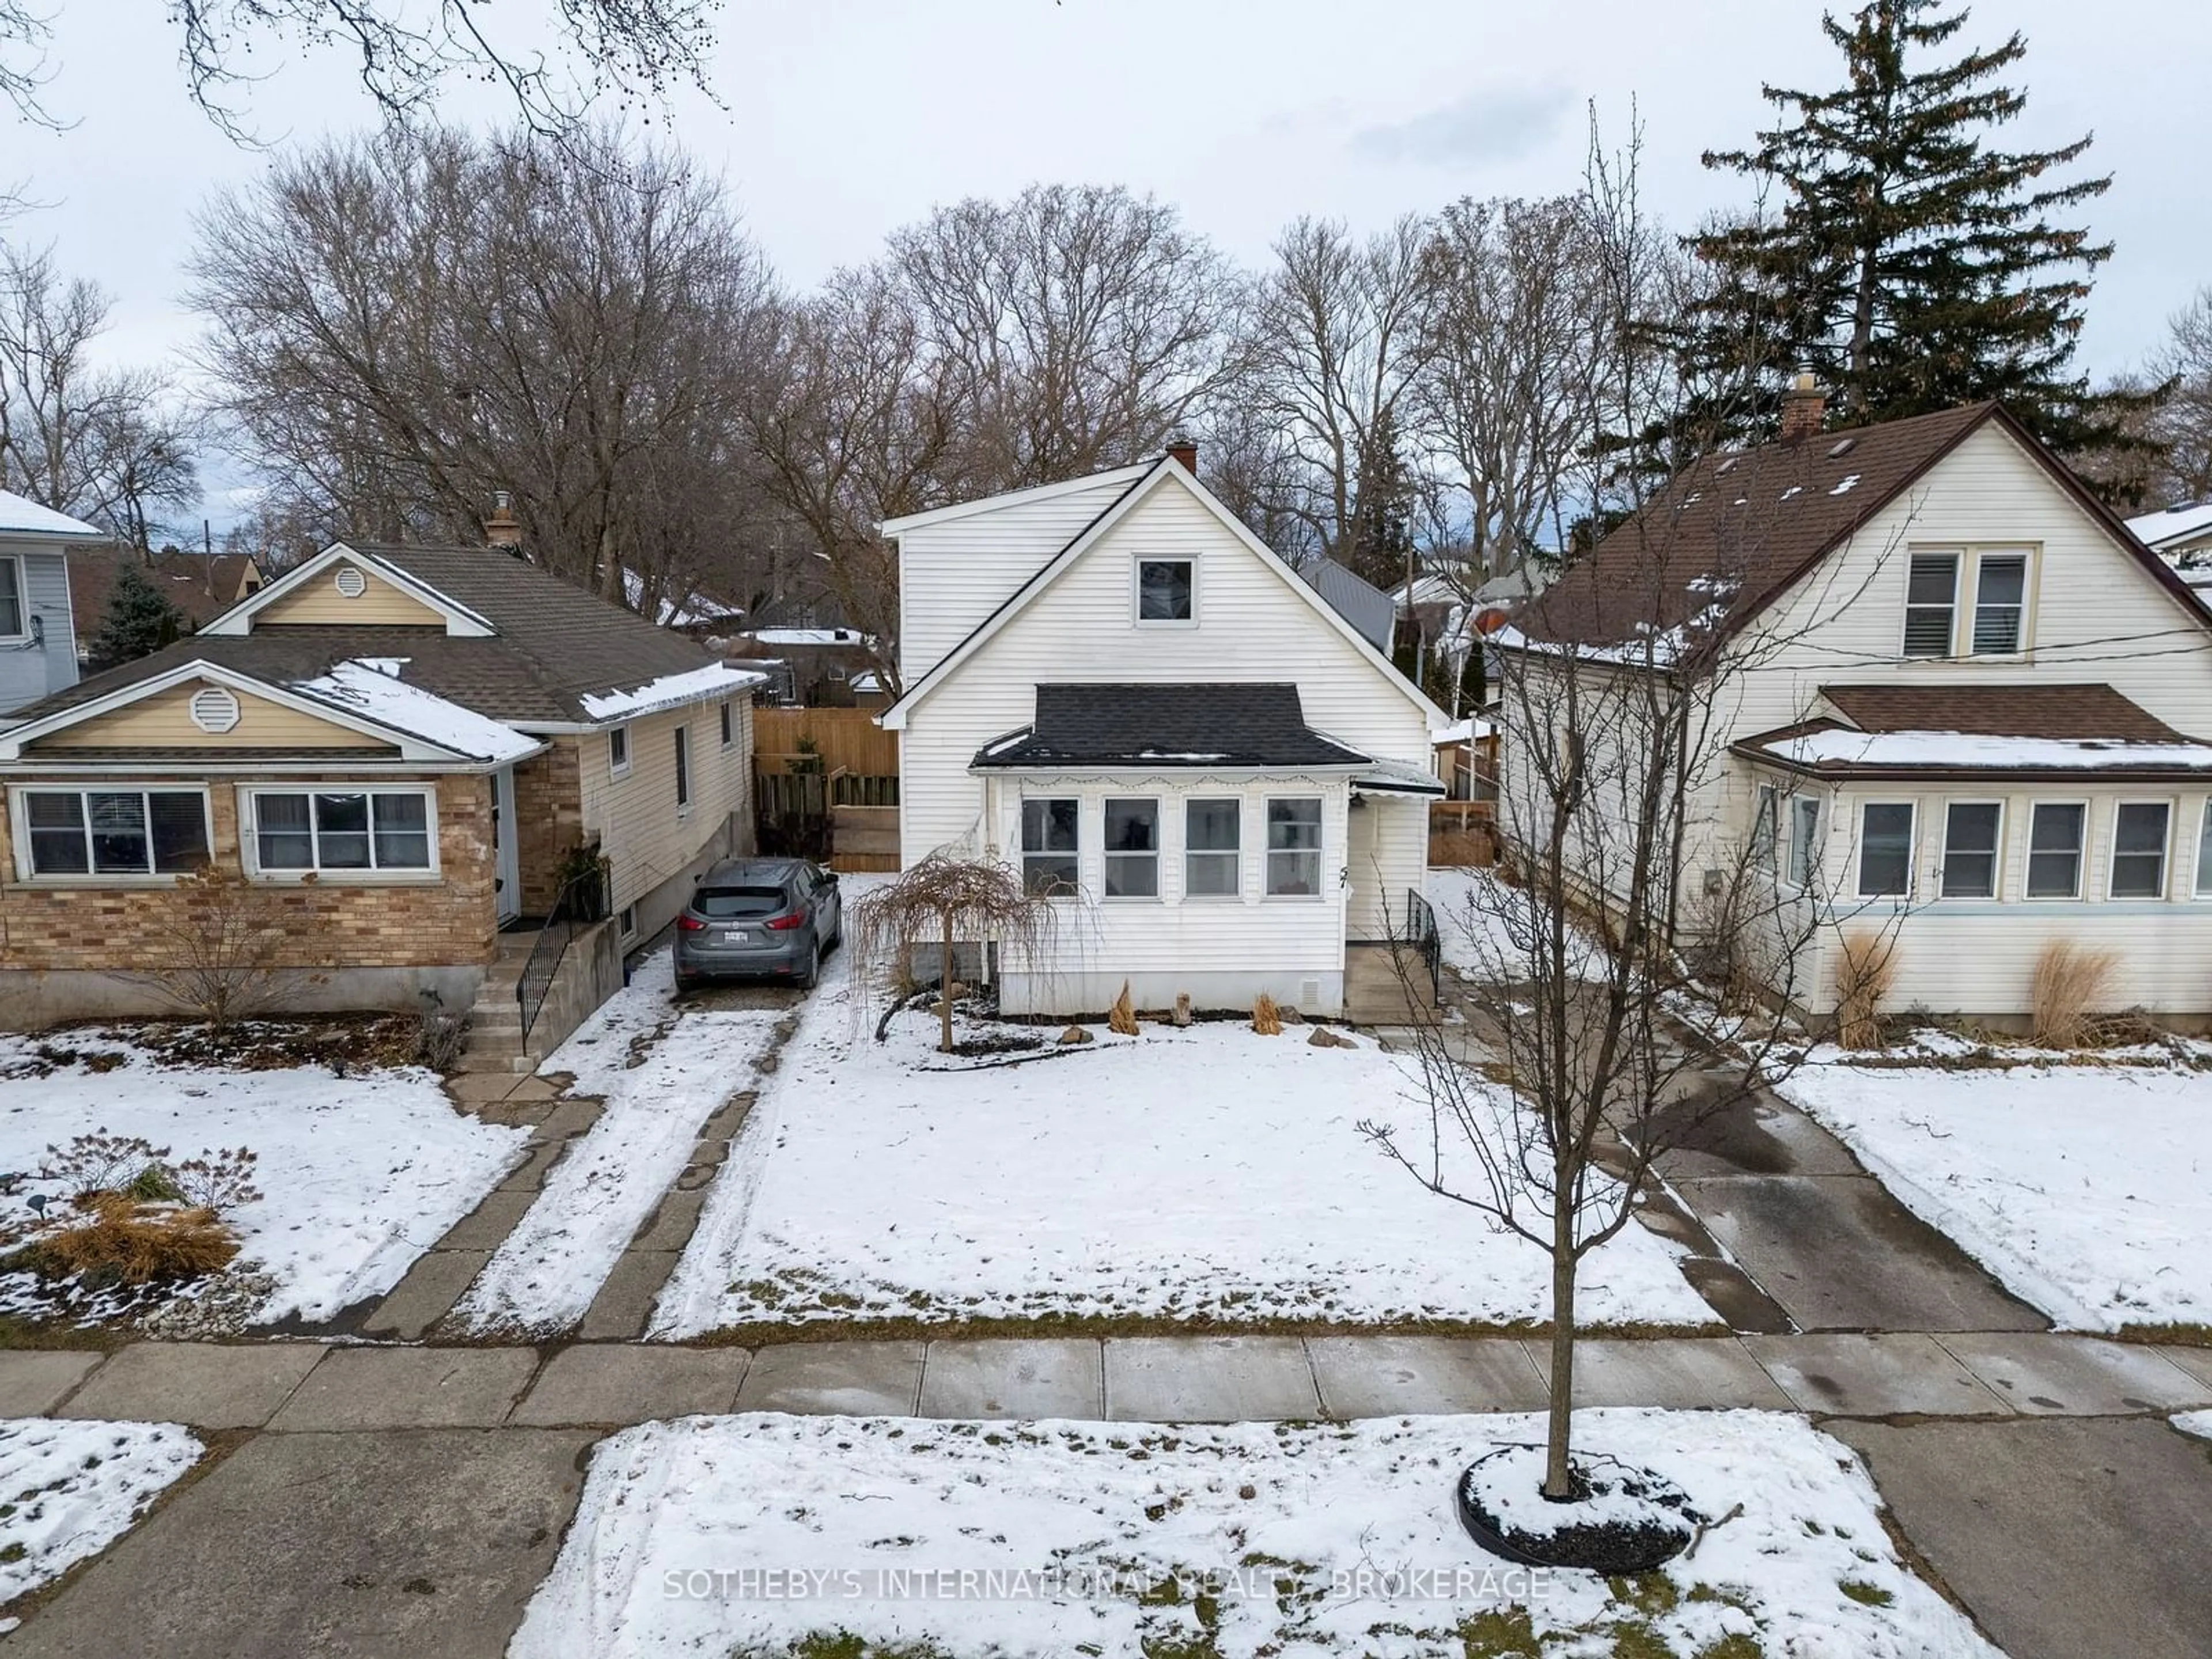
(402, 326)
(217, 948)
(1336, 338)
(2181, 426)
(1645, 931)
(404, 54)
(1508, 359)
(107, 445)
(942, 902)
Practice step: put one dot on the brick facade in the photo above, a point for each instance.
(549, 815)
(444, 922)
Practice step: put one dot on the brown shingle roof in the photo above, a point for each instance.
(554, 645)
(1735, 530)
(200, 587)
(2068, 713)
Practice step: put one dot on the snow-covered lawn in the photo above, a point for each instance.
(1055, 1538)
(358, 1174)
(662, 1072)
(2087, 1189)
(69, 1490)
(1205, 1171)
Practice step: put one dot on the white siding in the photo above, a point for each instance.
(954, 574)
(1254, 624)
(28, 673)
(648, 840)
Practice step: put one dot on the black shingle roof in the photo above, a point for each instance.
(1165, 726)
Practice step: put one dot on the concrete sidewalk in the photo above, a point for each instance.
(311, 1388)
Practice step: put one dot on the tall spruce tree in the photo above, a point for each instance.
(1901, 254)
(1381, 529)
(140, 620)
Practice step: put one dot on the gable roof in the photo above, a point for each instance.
(1735, 530)
(202, 586)
(21, 516)
(1353, 597)
(358, 697)
(2173, 524)
(1166, 725)
(1157, 476)
(533, 651)
(1123, 476)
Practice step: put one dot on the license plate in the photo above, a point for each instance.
(736, 936)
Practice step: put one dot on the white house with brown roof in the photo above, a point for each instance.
(1113, 684)
(1962, 700)
(428, 754)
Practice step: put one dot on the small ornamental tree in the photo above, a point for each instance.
(944, 901)
(217, 951)
(140, 620)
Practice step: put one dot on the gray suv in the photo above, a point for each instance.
(759, 919)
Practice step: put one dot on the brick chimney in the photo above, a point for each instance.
(1183, 449)
(502, 529)
(1804, 408)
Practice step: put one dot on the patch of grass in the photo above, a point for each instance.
(1738, 1646)
(1866, 1594)
(2187, 1333)
(1651, 1594)
(1499, 1634)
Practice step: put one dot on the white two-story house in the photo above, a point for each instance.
(1954, 699)
(1113, 684)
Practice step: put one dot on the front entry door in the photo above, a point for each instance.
(506, 902)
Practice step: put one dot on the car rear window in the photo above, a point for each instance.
(724, 903)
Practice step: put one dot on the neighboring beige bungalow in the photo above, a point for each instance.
(426, 751)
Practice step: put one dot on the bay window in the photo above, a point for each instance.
(1804, 839)
(1294, 846)
(1884, 850)
(1970, 849)
(2054, 849)
(1133, 849)
(114, 832)
(2139, 831)
(299, 831)
(1048, 845)
(1211, 844)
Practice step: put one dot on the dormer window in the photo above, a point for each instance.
(1167, 592)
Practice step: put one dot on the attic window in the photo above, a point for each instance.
(350, 582)
(214, 710)
(1843, 448)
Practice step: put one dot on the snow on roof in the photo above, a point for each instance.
(19, 516)
(695, 609)
(698, 685)
(371, 687)
(2173, 523)
(1470, 730)
(1959, 750)
(810, 637)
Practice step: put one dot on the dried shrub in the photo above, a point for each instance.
(1267, 1019)
(1122, 1018)
(437, 1040)
(219, 1180)
(1864, 974)
(122, 1240)
(1182, 1008)
(2070, 985)
(214, 950)
(101, 1163)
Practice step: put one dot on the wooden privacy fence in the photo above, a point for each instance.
(844, 739)
(1463, 832)
(814, 770)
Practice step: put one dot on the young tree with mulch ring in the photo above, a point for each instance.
(945, 900)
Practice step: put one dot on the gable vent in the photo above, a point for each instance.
(351, 582)
(214, 710)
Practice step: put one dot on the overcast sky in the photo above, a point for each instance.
(842, 119)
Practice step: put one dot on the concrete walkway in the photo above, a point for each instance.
(315, 1387)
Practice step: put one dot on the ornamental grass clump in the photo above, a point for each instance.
(1267, 1019)
(2071, 984)
(1864, 973)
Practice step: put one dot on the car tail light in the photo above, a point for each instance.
(785, 924)
(690, 924)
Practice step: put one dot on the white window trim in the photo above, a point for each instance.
(2203, 867)
(19, 827)
(21, 578)
(1816, 847)
(687, 787)
(249, 835)
(1911, 846)
(1107, 854)
(2081, 857)
(1320, 853)
(1958, 558)
(1236, 894)
(626, 920)
(1996, 894)
(1023, 853)
(1137, 563)
(729, 726)
(620, 768)
(1767, 822)
(2030, 556)
(2166, 857)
